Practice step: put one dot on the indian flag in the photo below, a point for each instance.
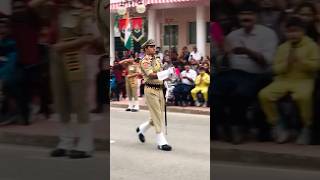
(125, 28)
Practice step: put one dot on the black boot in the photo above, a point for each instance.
(165, 147)
(59, 153)
(75, 154)
(140, 135)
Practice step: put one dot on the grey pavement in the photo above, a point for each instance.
(132, 160)
(268, 153)
(45, 132)
(186, 110)
(33, 163)
(235, 171)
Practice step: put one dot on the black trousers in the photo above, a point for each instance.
(182, 92)
(233, 92)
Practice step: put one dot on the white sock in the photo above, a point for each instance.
(144, 127)
(130, 104)
(136, 105)
(161, 140)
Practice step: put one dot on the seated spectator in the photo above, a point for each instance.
(296, 63)
(206, 66)
(194, 65)
(184, 55)
(235, 90)
(202, 84)
(183, 89)
(195, 54)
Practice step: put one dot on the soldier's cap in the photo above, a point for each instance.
(149, 42)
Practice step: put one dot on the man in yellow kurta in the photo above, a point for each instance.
(202, 84)
(295, 65)
(153, 75)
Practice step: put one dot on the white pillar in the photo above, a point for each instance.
(158, 33)
(112, 45)
(201, 29)
(151, 24)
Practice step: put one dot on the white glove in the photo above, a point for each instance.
(162, 75)
(172, 70)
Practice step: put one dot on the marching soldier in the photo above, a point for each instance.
(151, 68)
(133, 71)
(68, 78)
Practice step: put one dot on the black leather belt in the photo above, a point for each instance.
(154, 86)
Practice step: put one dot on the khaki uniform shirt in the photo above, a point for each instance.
(72, 27)
(132, 69)
(151, 64)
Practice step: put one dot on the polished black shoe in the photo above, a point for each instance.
(165, 147)
(59, 153)
(128, 109)
(141, 136)
(134, 110)
(74, 154)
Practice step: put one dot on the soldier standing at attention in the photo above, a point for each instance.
(132, 83)
(69, 80)
(153, 74)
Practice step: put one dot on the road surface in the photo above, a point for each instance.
(131, 160)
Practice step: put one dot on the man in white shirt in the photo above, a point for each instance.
(250, 50)
(183, 89)
(195, 54)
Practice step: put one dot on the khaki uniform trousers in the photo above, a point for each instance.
(301, 92)
(69, 96)
(131, 89)
(155, 102)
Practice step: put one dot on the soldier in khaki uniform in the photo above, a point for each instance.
(153, 74)
(69, 81)
(133, 70)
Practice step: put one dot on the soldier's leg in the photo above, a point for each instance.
(161, 139)
(62, 105)
(128, 89)
(85, 142)
(152, 99)
(134, 90)
(142, 128)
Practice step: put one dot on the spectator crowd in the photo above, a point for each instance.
(266, 71)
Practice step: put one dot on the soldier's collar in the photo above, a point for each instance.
(150, 56)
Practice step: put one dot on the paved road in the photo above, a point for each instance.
(232, 171)
(33, 163)
(131, 160)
